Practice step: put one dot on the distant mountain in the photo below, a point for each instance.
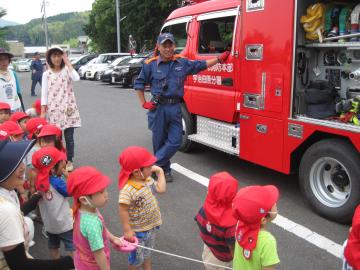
(61, 27)
(4, 23)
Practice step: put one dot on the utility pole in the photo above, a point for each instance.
(43, 8)
(118, 25)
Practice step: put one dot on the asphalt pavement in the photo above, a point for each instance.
(113, 119)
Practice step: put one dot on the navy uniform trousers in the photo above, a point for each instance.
(166, 125)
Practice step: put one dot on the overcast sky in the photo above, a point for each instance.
(22, 11)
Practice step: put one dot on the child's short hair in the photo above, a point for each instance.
(51, 138)
(5, 111)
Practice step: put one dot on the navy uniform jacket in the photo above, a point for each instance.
(172, 73)
(38, 67)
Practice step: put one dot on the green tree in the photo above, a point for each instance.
(144, 19)
(102, 27)
(3, 30)
(73, 42)
(61, 27)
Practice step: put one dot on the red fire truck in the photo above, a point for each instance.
(279, 100)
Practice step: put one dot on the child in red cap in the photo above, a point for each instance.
(138, 208)
(5, 112)
(351, 260)
(35, 110)
(54, 207)
(21, 118)
(91, 237)
(255, 248)
(33, 128)
(51, 135)
(14, 131)
(216, 223)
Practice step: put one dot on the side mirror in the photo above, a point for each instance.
(108, 61)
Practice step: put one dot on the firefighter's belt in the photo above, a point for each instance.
(169, 100)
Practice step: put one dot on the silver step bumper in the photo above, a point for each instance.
(216, 134)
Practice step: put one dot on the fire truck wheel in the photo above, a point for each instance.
(188, 128)
(329, 178)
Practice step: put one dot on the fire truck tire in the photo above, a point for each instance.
(188, 128)
(329, 177)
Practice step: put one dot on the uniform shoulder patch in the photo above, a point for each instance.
(151, 59)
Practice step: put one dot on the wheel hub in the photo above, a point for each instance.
(330, 182)
(341, 179)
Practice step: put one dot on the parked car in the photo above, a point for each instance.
(102, 60)
(126, 73)
(100, 69)
(22, 65)
(82, 70)
(82, 60)
(105, 74)
(73, 59)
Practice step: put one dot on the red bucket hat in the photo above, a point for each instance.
(44, 160)
(12, 128)
(37, 106)
(35, 124)
(4, 135)
(50, 130)
(221, 192)
(85, 181)
(17, 116)
(4, 106)
(250, 205)
(133, 158)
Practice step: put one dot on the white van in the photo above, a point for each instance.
(102, 60)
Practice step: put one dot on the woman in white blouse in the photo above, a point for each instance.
(58, 102)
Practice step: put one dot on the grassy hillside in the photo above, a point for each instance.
(60, 28)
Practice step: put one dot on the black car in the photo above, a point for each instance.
(126, 73)
(83, 60)
(105, 75)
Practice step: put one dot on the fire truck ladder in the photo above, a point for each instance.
(218, 135)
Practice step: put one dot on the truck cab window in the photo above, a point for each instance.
(216, 35)
(179, 32)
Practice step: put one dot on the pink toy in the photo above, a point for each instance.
(126, 246)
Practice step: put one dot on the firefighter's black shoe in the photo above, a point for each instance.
(169, 177)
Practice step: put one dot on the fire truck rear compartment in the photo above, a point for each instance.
(327, 74)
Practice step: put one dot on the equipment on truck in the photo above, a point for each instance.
(313, 21)
(286, 100)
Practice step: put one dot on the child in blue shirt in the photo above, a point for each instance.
(54, 206)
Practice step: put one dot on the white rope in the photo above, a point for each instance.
(181, 257)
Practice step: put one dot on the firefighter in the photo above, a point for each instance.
(166, 74)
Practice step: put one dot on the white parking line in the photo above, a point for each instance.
(281, 221)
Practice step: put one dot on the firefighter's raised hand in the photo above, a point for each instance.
(148, 105)
(222, 57)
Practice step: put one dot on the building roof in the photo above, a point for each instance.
(40, 49)
(83, 38)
